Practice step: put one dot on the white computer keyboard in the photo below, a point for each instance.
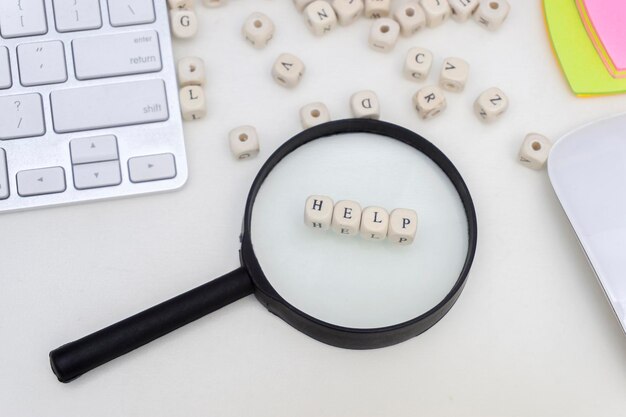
(88, 102)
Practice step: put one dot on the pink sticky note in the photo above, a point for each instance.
(609, 21)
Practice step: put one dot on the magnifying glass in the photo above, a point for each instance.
(348, 292)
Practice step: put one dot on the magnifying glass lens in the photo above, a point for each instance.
(347, 280)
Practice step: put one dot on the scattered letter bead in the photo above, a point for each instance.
(437, 11)
(454, 74)
(429, 102)
(191, 71)
(258, 29)
(534, 151)
(375, 9)
(402, 226)
(214, 3)
(462, 9)
(374, 223)
(418, 63)
(411, 18)
(492, 13)
(347, 218)
(301, 4)
(318, 212)
(348, 11)
(184, 23)
(192, 102)
(314, 114)
(288, 70)
(320, 17)
(244, 142)
(180, 4)
(365, 105)
(384, 34)
(491, 104)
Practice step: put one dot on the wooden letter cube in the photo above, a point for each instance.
(348, 11)
(402, 226)
(192, 102)
(180, 4)
(365, 105)
(492, 13)
(244, 142)
(535, 150)
(288, 70)
(258, 29)
(491, 104)
(384, 34)
(437, 11)
(184, 23)
(411, 18)
(374, 223)
(347, 218)
(454, 74)
(418, 63)
(191, 71)
(318, 212)
(314, 114)
(320, 17)
(462, 9)
(429, 102)
(375, 9)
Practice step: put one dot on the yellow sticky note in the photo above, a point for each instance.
(579, 60)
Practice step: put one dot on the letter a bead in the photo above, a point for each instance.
(288, 70)
(347, 218)
(318, 212)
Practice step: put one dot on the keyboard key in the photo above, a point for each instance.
(109, 105)
(41, 63)
(131, 12)
(41, 181)
(75, 15)
(94, 149)
(100, 174)
(21, 116)
(152, 167)
(113, 55)
(4, 176)
(22, 18)
(5, 69)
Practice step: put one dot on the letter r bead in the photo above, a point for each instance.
(318, 212)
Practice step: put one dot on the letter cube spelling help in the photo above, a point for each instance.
(288, 70)
(402, 226)
(314, 114)
(429, 102)
(454, 74)
(348, 11)
(258, 29)
(411, 18)
(384, 34)
(418, 63)
(491, 104)
(374, 223)
(320, 17)
(244, 142)
(192, 102)
(318, 212)
(365, 105)
(535, 151)
(346, 218)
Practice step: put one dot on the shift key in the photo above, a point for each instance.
(116, 55)
(106, 106)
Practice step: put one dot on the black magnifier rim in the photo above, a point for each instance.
(346, 337)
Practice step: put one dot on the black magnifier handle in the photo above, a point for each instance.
(74, 359)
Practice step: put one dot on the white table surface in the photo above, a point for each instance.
(532, 334)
